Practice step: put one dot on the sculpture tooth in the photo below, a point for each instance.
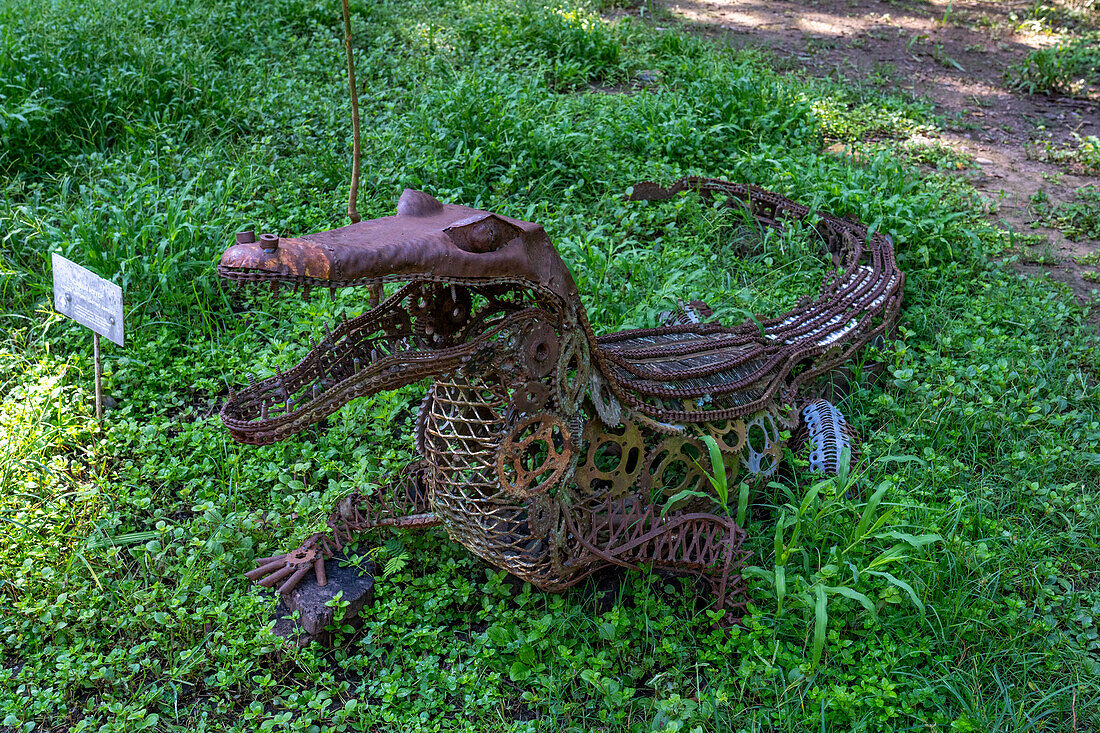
(251, 379)
(263, 411)
(305, 291)
(355, 365)
(312, 343)
(374, 355)
(332, 293)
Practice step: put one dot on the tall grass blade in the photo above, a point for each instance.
(821, 618)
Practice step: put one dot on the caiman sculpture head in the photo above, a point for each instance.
(469, 277)
(545, 450)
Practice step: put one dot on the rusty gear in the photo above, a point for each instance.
(675, 465)
(540, 351)
(531, 397)
(623, 447)
(534, 456)
(728, 434)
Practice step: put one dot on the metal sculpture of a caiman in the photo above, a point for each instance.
(544, 449)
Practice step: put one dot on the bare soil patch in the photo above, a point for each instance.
(954, 54)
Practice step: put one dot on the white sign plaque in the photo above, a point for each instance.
(87, 298)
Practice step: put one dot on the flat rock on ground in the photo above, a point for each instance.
(311, 601)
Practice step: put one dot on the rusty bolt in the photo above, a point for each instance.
(269, 242)
(246, 237)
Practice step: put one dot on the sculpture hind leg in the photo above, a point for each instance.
(402, 503)
(702, 544)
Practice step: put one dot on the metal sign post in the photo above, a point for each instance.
(91, 301)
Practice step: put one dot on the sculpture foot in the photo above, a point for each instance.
(401, 504)
(292, 566)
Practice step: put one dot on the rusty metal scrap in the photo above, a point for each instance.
(546, 450)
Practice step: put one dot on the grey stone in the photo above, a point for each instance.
(310, 599)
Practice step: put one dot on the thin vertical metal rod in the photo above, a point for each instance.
(98, 379)
(353, 194)
(375, 296)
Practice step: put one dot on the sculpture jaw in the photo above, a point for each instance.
(422, 331)
(465, 272)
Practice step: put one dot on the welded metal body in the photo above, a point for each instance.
(546, 450)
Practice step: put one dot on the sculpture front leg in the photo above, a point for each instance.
(402, 504)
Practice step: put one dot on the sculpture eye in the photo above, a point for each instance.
(483, 233)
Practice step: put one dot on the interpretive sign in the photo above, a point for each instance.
(87, 298)
(91, 301)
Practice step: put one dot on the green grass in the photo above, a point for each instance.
(1071, 68)
(139, 138)
(1078, 218)
(1081, 157)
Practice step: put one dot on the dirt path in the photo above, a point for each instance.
(953, 53)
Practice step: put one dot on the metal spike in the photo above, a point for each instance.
(251, 379)
(312, 343)
(305, 291)
(332, 293)
(263, 411)
(355, 365)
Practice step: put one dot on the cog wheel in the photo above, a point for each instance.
(762, 446)
(607, 407)
(540, 350)
(534, 456)
(614, 457)
(729, 434)
(531, 397)
(674, 466)
(572, 377)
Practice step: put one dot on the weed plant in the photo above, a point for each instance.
(949, 583)
(1078, 218)
(1071, 68)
